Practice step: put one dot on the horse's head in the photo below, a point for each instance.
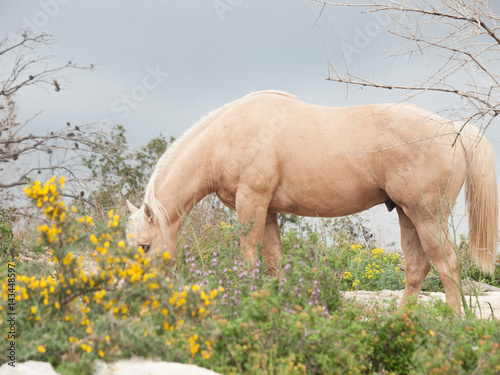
(144, 229)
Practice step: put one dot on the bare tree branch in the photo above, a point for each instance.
(459, 42)
(24, 154)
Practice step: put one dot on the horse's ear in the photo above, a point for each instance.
(133, 209)
(149, 213)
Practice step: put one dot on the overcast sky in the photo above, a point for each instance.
(161, 65)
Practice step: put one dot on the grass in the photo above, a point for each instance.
(95, 298)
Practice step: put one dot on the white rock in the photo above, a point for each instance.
(136, 366)
(148, 367)
(484, 306)
(28, 368)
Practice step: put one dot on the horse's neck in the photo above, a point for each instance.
(186, 183)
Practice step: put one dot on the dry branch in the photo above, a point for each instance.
(459, 42)
(24, 154)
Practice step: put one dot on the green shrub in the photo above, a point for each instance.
(104, 300)
(470, 269)
(10, 244)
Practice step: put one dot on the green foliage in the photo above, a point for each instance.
(470, 269)
(120, 172)
(10, 244)
(374, 269)
(348, 229)
(104, 300)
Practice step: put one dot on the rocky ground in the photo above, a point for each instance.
(489, 302)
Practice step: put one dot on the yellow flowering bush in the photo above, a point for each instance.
(373, 269)
(102, 307)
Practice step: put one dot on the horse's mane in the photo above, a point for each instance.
(165, 162)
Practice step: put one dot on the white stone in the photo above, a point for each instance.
(148, 367)
(136, 366)
(28, 368)
(483, 310)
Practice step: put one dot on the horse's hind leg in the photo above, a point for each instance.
(436, 242)
(271, 249)
(417, 262)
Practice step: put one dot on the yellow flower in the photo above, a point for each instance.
(41, 349)
(431, 332)
(101, 353)
(33, 309)
(347, 275)
(376, 252)
(194, 347)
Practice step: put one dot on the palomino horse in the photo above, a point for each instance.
(269, 152)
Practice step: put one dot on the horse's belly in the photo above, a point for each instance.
(326, 200)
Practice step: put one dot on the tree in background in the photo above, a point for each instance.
(458, 42)
(120, 172)
(24, 153)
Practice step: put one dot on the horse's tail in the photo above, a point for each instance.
(481, 197)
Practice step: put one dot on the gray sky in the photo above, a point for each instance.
(205, 54)
(161, 65)
(211, 58)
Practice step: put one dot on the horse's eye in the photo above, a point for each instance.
(145, 248)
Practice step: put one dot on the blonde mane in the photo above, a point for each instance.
(165, 162)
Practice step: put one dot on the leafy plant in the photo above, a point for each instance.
(121, 173)
(10, 244)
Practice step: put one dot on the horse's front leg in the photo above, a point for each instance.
(271, 250)
(251, 208)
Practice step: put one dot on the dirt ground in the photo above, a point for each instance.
(489, 302)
